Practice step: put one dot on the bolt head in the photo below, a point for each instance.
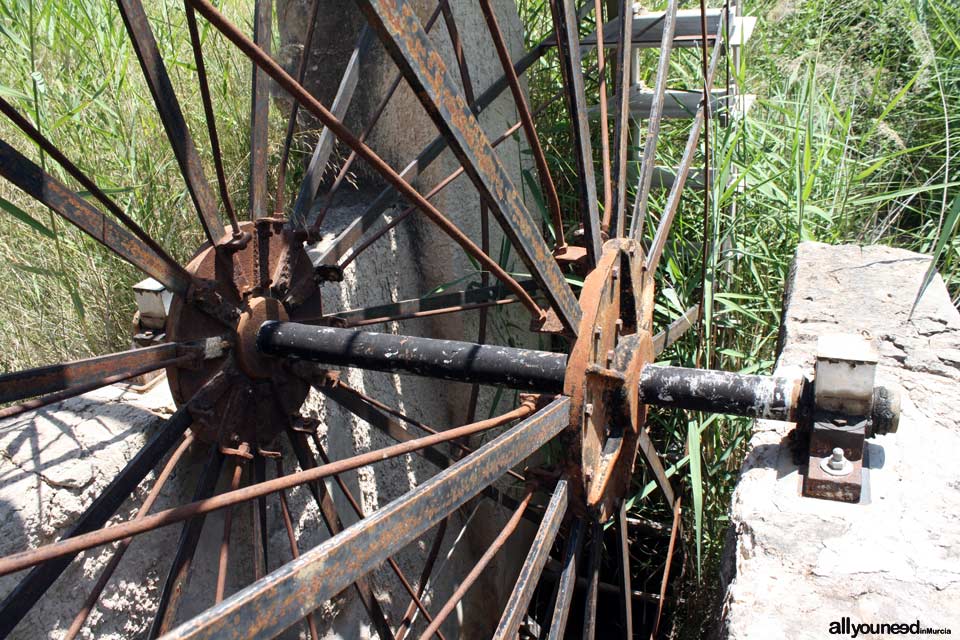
(836, 464)
(836, 460)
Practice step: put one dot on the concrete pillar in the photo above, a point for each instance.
(794, 566)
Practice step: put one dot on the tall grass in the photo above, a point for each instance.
(69, 66)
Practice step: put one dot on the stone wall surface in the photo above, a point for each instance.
(54, 462)
(794, 565)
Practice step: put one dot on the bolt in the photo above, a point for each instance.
(597, 332)
(836, 464)
(837, 459)
(610, 356)
(588, 409)
(619, 326)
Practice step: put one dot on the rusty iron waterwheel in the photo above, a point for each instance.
(247, 338)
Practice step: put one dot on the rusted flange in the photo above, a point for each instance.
(260, 394)
(602, 375)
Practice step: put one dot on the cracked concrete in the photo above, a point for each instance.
(793, 565)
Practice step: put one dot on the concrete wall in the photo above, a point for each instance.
(55, 461)
(794, 565)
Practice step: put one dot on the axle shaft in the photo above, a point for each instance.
(768, 397)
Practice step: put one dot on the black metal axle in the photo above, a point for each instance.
(768, 397)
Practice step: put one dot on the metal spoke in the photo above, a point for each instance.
(623, 556)
(65, 202)
(675, 330)
(604, 119)
(49, 148)
(432, 556)
(278, 200)
(283, 79)
(427, 306)
(279, 600)
(666, 569)
(100, 371)
(175, 585)
(526, 118)
(76, 390)
(42, 380)
(621, 128)
(155, 73)
(653, 122)
(114, 561)
(32, 587)
(673, 199)
(468, 581)
(358, 510)
(410, 47)
(224, 557)
(261, 560)
(650, 455)
(593, 581)
(568, 580)
(260, 112)
(294, 548)
(532, 567)
(331, 518)
(210, 117)
(566, 25)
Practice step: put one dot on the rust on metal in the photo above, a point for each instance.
(272, 604)
(263, 392)
(532, 567)
(75, 544)
(208, 113)
(402, 34)
(653, 122)
(168, 108)
(179, 279)
(474, 574)
(114, 561)
(621, 118)
(264, 61)
(44, 188)
(566, 27)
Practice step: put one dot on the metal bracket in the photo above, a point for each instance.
(848, 408)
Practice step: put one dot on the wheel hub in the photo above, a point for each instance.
(258, 395)
(614, 344)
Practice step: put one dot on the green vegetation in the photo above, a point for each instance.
(854, 138)
(69, 66)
